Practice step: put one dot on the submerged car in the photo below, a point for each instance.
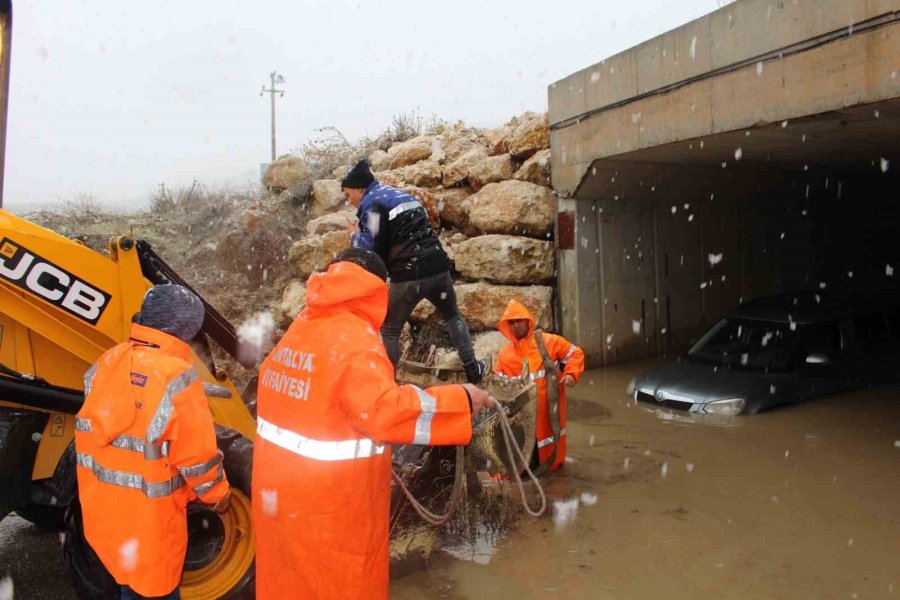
(780, 350)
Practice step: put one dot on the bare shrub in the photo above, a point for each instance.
(331, 148)
(164, 199)
(81, 207)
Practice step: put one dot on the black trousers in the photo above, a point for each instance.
(403, 298)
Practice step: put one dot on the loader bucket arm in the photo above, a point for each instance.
(158, 272)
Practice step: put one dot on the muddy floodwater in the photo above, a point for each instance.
(796, 503)
(802, 502)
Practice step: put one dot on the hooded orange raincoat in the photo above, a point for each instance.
(568, 357)
(145, 446)
(328, 408)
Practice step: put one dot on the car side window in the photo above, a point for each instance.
(823, 339)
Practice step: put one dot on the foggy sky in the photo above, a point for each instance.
(112, 98)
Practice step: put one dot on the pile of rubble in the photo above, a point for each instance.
(488, 195)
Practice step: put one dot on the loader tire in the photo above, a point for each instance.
(221, 550)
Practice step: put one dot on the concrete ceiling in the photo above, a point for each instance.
(851, 139)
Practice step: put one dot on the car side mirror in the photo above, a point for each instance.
(818, 358)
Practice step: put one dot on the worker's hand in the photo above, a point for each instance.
(479, 397)
(567, 380)
(223, 504)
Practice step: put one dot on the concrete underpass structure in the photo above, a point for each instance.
(752, 151)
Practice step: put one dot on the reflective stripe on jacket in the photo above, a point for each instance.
(328, 411)
(145, 446)
(568, 357)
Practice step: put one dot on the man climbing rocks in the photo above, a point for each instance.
(553, 362)
(395, 226)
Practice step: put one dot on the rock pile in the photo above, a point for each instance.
(488, 195)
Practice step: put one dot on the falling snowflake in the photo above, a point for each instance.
(269, 502)
(128, 555)
(588, 499)
(689, 467)
(564, 512)
(714, 259)
(665, 469)
(738, 154)
(885, 164)
(889, 270)
(636, 327)
(7, 589)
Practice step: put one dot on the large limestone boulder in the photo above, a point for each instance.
(327, 196)
(409, 152)
(340, 172)
(426, 173)
(286, 173)
(490, 170)
(505, 259)
(457, 171)
(453, 207)
(482, 304)
(513, 207)
(313, 253)
(536, 169)
(379, 160)
(498, 140)
(530, 135)
(338, 221)
(393, 178)
(486, 345)
(449, 239)
(293, 300)
(429, 202)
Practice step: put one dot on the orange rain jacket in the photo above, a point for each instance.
(328, 407)
(565, 354)
(145, 446)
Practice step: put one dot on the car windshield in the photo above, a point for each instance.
(748, 344)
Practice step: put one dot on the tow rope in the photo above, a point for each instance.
(512, 451)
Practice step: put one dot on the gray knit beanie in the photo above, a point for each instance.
(172, 309)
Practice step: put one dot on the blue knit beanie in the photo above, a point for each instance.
(172, 309)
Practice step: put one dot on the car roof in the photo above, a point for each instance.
(808, 307)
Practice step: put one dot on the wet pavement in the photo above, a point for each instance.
(796, 503)
(800, 502)
(31, 563)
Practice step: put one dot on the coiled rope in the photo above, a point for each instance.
(512, 452)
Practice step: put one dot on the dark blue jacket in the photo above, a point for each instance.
(395, 225)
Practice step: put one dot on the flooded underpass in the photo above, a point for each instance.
(799, 502)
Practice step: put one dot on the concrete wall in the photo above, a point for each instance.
(756, 85)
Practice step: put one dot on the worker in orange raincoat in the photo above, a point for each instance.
(328, 408)
(564, 362)
(145, 446)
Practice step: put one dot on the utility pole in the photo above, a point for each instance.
(274, 78)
